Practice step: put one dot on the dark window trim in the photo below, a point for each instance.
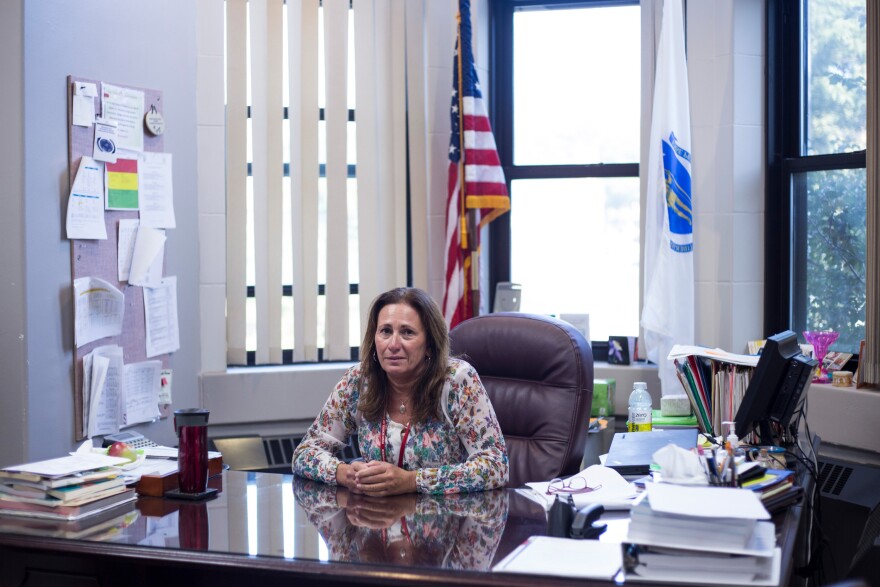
(785, 99)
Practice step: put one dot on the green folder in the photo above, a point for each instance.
(659, 420)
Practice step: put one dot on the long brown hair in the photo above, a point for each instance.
(374, 388)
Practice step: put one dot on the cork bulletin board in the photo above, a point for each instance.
(98, 258)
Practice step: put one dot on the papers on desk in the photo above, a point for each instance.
(669, 565)
(563, 557)
(613, 491)
(709, 535)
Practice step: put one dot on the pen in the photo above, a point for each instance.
(710, 459)
(703, 463)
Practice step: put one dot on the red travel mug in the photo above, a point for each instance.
(191, 426)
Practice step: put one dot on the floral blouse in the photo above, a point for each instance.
(463, 450)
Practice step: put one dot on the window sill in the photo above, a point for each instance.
(246, 395)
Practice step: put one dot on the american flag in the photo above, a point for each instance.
(476, 180)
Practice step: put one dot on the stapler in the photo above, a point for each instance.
(585, 523)
(566, 521)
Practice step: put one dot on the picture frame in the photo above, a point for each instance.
(858, 374)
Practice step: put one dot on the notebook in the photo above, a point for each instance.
(630, 452)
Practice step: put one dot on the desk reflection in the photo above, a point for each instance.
(455, 531)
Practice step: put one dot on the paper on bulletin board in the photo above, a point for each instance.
(85, 206)
(121, 184)
(155, 194)
(125, 106)
(147, 257)
(141, 385)
(99, 309)
(160, 306)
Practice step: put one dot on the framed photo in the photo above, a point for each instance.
(858, 375)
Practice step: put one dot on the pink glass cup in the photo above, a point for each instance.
(821, 341)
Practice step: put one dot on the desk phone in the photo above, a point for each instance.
(133, 439)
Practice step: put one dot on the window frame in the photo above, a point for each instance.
(785, 208)
(501, 109)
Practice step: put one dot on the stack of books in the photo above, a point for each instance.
(107, 525)
(776, 489)
(68, 488)
(709, 535)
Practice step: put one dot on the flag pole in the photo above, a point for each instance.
(472, 281)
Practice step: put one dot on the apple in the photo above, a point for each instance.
(122, 449)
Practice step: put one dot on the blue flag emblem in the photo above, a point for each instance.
(676, 171)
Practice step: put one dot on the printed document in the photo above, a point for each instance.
(105, 384)
(85, 206)
(84, 94)
(126, 107)
(141, 385)
(155, 195)
(148, 257)
(99, 309)
(160, 310)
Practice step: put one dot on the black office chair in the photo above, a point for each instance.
(538, 372)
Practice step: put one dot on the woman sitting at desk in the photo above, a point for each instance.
(424, 421)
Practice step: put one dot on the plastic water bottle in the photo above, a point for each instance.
(639, 408)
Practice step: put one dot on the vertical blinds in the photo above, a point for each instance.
(326, 221)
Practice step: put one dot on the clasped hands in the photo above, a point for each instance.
(375, 478)
(375, 513)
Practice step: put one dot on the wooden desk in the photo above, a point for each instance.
(271, 529)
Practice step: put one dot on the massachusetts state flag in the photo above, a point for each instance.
(476, 180)
(668, 313)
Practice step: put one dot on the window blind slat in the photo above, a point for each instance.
(236, 180)
(336, 114)
(303, 120)
(397, 88)
(416, 83)
(365, 94)
(266, 111)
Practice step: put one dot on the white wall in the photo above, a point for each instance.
(135, 43)
(13, 353)
(726, 51)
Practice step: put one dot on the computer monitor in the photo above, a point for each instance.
(776, 390)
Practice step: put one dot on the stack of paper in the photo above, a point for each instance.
(562, 557)
(610, 489)
(66, 488)
(106, 525)
(714, 535)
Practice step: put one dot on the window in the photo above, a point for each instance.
(303, 175)
(816, 195)
(567, 98)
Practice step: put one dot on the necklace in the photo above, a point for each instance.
(402, 408)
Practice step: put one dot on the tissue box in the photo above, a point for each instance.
(603, 398)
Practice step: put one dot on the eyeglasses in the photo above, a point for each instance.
(570, 486)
